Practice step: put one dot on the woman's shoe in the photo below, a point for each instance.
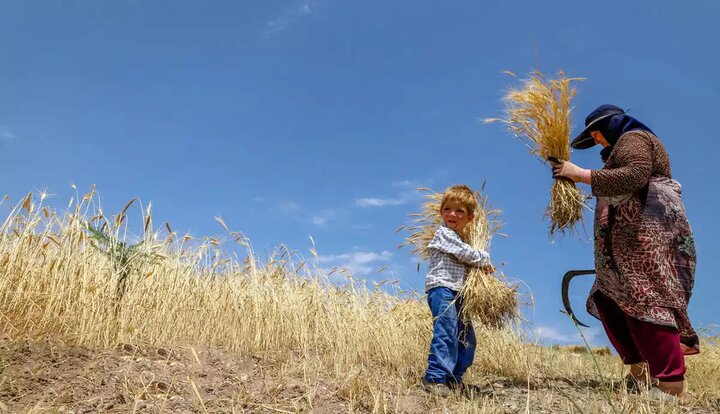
(657, 394)
(635, 385)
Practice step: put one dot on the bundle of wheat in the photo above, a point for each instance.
(538, 113)
(486, 298)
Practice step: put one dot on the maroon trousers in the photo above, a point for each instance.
(639, 341)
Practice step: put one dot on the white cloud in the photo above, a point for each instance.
(379, 202)
(301, 214)
(320, 220)
(363, 227)
(557, 336)
(288, 206)
(325, 216)
(407, 194)
(291, 15)
(358, 263)
(7, 136)
(412, 184)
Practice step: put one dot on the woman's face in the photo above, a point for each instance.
(599, 138)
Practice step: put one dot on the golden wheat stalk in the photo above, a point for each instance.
(538, 113)
(486, 298)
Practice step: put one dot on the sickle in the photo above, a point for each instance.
(566, 286)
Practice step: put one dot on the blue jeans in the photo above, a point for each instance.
(452, 348)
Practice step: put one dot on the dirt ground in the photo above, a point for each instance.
(50, 377)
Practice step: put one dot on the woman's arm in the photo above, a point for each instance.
(634, 157)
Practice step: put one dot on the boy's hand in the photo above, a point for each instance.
(488, 268)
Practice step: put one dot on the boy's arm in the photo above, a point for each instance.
(447, 241)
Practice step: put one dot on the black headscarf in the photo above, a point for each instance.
(614, 127)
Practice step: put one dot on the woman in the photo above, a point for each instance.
(644, 250)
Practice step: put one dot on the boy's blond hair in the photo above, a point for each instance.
(463, 195)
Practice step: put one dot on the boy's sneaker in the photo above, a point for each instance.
(439, 389)
(471, 390)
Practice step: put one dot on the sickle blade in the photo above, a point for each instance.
(565, 289)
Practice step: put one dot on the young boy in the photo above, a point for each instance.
(452, 348)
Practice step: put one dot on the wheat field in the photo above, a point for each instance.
(81, 277)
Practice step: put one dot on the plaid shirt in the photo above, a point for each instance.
(449, 258)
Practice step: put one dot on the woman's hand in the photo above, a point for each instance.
(571, 171)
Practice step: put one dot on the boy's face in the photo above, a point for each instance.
(455, 215)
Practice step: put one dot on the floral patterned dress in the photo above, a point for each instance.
(644, 247)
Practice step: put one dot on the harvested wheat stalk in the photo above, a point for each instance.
(538, 113)
(486, 298)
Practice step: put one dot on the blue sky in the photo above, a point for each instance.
(319, 117)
